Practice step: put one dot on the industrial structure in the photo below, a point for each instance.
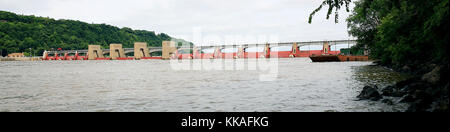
(170, 50)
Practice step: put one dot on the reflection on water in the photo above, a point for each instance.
(151, 85)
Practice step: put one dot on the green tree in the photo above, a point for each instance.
(398, 32)
(18, 33)
(333, 5)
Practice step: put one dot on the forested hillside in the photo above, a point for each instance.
(19, 33)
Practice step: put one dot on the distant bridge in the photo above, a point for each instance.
(159, 49)
(142, 51)
(306, 43)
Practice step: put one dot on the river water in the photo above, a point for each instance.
(155, 86)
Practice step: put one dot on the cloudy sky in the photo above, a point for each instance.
(196, 20)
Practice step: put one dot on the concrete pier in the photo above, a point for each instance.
(116, 51)
(94, 52)
(294, 49)
(168, 50)
(240, 53)
(141, 50)
(326, 47)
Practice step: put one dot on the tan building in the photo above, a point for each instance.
(94, 52)
(116, 51)
(141, 50)
(168, 50)
(16, 55)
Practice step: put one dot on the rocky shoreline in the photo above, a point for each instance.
(424, 92)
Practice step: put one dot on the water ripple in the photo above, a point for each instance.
(153, 86)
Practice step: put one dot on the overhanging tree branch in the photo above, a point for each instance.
(332, 5)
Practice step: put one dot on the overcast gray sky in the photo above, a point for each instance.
(286, 19)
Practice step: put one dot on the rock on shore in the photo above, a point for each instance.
(426, 93)
(370, 93)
